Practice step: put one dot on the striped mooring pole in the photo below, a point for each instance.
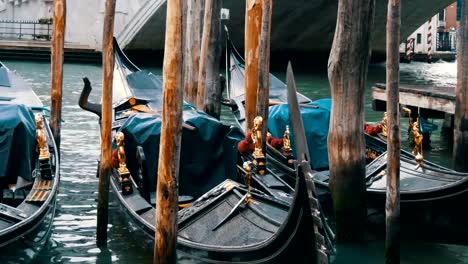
(429, 40)
(409, 48)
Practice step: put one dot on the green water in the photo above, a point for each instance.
(73, 233)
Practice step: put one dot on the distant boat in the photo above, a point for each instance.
(425, 183)
(215, 222)
(29, 171)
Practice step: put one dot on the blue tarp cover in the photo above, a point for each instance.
(316, 122)
(208, 155)
(17, 141)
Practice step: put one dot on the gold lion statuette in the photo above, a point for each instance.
(41, 138)
(119, 138)
(418, 138)
(257, 137)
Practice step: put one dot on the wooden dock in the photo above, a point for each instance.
(40, 50)
(434, 100)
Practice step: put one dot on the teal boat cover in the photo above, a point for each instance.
(425, 126)
(17, 142)
(316, 122)
(208, 155)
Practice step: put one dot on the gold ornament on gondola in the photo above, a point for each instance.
(119, 138)
(418, 138)
(248, 177)
(41, 138)
(257, 136)
(257, 139)
(286, 141)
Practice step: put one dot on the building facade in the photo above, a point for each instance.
(438, 35)
(84, 19)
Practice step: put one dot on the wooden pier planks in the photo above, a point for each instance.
(423, 96)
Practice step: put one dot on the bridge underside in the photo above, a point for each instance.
(299, 26)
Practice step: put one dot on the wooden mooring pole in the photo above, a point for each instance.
(209, 86)
(253, 23)
(171, 129)
(392, 208)
(192, 42)
(264, 71)
(57, 53)
(347, 73)
(106, 123)
(460, 133)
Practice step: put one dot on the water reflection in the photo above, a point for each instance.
(74, 226)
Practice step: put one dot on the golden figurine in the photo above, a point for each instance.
(248, 177)
(418, 138)
(257, 137)
(41, 138)
(119, 137)
(286, 141)
(384, 125)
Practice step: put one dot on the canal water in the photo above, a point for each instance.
(72, 237)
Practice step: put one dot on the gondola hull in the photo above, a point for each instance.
(218, 224)
(26, 209)
(428, 183)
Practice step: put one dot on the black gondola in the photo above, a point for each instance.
(29, 171)
(221, 220)
(418, 183)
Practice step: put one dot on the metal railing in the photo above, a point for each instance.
(27, 30)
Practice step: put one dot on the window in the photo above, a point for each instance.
(442, 15)
(418, 38)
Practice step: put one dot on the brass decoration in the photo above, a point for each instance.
(124, 173)
(119, 137)
(407, 110)
(257, 137)
(384, 125)
(248, 176)
(418, 138)
(41, 137)
(286, 141)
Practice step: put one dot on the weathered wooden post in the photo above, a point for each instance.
(253, 22)
(460, 133)
(347, 72)
(169, 149)
(192, 42)
(106, 123)
(209, 86)
(264, 71)
(392, 208)
(57, 52)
